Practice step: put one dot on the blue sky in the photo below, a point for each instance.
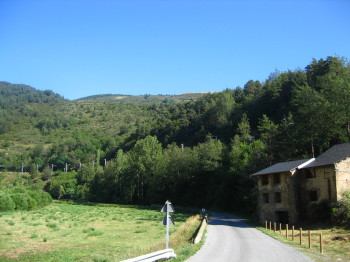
(84, 47)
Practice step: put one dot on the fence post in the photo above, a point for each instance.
(274, 227)
(270, 225)
(321, 244)
(300, 235)
(265, 224)
(280, 229)
(309, 233)
(293, 232)
(286, 230)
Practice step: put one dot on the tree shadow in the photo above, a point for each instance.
(227, 220)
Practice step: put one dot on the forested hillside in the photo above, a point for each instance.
(197, 152)
(143, 99)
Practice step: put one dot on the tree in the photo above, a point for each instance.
(315, 124)
(243, 129)
(33, 170)
(331, 77)
(210, 155)
(147, 162)
(268, 133)
(252, 88)
(47, 173)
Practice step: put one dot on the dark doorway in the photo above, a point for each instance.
(282, 217)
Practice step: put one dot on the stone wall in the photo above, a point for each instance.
(342, 178)
(285, 189)
(323, 183)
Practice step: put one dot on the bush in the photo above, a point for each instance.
(341, 210)
(63, 185)
(35, 195)
(46, 198)
(20, 198)
(6, 203)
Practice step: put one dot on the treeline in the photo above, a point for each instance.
(210, 174)
(199, 152)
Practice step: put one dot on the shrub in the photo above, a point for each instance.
(32, 203)
(51, 225)
(35, 195)
(16, 190)
(341, 210)
(6, 203)
(46, 198)
(21, 200)
(63, 186)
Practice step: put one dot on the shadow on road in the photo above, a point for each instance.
(223, 220)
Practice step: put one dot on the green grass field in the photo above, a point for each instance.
(70, 232)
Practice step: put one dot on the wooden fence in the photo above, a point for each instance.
(270, 226)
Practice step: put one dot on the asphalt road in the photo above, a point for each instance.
(230, 239)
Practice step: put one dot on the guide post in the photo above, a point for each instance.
(167, 220)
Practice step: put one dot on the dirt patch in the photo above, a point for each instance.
(342, 238)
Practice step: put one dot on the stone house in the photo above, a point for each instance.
(287, 190)
(278, 191)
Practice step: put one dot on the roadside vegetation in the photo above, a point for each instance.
(336, 241)
(97, 232)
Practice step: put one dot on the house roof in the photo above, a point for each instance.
(333, 155)
(283, 167)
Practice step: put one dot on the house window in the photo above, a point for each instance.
(265, 180)
(278, 197)
(313, 195)
(266, 197)
(309, 173)
(276, 178)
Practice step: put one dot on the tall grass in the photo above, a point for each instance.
(69, 232)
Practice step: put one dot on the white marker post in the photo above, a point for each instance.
(167, 220)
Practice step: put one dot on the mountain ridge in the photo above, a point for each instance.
(143, 99)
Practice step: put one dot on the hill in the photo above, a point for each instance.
(143, 99)
(17, 93)
(198, 151)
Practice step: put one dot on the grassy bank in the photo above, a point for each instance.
(68, 232)
(336, 242)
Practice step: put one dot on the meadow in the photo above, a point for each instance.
(103, 232)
